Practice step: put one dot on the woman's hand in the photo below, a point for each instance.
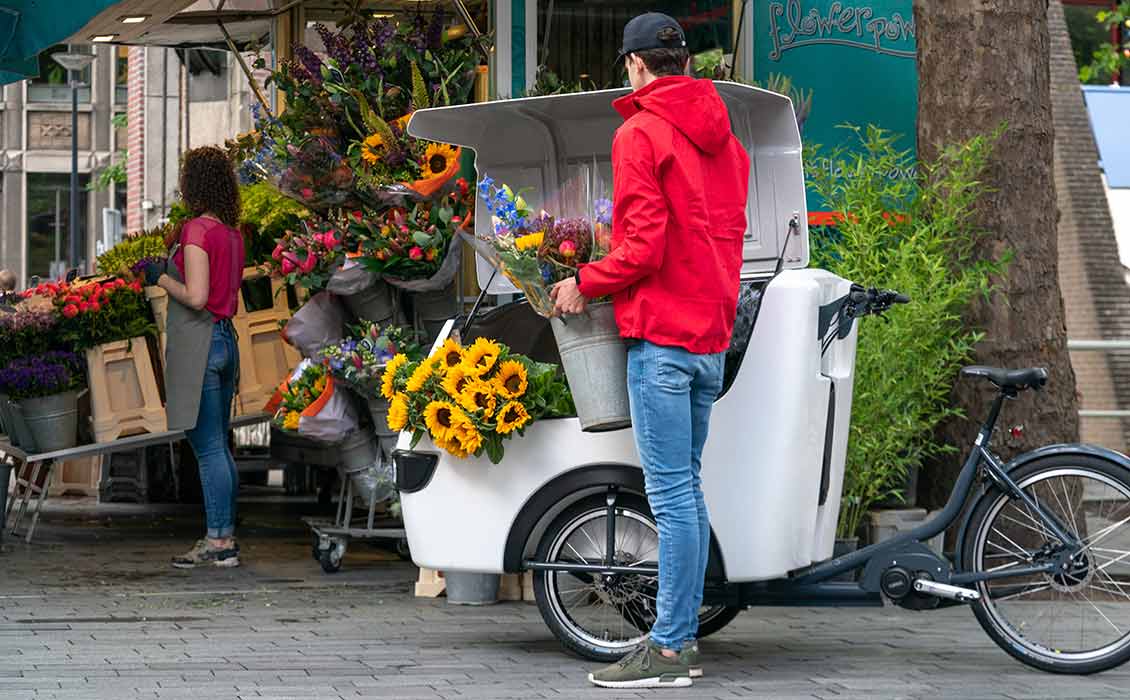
(153, 272)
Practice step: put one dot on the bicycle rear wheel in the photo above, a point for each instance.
(1076, 621)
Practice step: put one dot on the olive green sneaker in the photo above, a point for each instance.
(689, 655)
(644, 667)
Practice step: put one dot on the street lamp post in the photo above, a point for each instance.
(74, 63)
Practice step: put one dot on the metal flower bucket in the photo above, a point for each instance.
(52, 420)
(378, 411)
(376, 303)
(595, 360)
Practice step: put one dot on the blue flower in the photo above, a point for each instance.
(486, 184)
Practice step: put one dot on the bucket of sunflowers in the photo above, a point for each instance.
(469, 400)
(535, 252)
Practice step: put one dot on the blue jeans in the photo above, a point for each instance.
(672, 392)
(219, 477)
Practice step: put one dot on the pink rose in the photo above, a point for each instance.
(70, 311)
(416, 253)
(332, 238)
(307, 193)
(309, 263)
(277, 252)
(568, 249)
(289, 263)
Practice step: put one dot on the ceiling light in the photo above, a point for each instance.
(382, 15)
(103, 38)
(133, 19)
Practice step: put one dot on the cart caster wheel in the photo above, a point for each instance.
(315, 552)
(402, 549)
(330, 558)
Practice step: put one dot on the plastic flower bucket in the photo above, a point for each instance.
(595, 360)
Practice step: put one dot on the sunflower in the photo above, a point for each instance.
(455, 380)
(437, 159)
(511, 381)
(450, 355)
(420, 375)
(468, 437)
(529, 241)
(453, 447)
(479, 359)
(398, 413)
(511, 417)
(440, 417)
(479, 396)
(371, 148)
(388, 381)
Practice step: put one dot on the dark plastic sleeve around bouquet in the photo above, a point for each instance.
(443, 276)
(537, 295)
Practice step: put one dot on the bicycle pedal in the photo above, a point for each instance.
(945, 590)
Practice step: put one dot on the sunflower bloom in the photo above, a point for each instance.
(529, 241)
(455, 380)
(479, 396)
(437, 159)
(371, 148)
(450, 355)
(388, 381)
(468, 437)
(511, 381)
(479, 359)
(420, 376)
(511, 417)
(440, 417)
(398, 413)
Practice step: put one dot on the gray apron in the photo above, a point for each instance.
(189, 339)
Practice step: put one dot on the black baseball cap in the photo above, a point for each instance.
(642, 33)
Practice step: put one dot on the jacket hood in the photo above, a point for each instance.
(692, 106)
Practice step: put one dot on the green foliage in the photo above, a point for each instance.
(115, 173)
(120, 259)
(269, 214)
(917, 235)
(1108, 59)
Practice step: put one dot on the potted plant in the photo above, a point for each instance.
(46, 388)
(915, 234)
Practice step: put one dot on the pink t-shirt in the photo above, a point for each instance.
(224, 246)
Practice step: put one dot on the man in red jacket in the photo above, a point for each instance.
(680, 183)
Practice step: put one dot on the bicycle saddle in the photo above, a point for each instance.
(1015, 379)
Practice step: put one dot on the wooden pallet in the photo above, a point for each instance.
(124, 398)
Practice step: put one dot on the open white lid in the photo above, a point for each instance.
(539, 142)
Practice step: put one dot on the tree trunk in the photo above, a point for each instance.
(982, 63)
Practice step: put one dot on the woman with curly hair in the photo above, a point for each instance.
(203, 276)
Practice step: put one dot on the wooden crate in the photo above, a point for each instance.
(124, 398)
(159, 301)
(265, 358)
(77, 477)
(430, 584)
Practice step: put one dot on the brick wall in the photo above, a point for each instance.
(1095, 292)
(135, 139)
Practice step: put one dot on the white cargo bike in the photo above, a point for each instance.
(1043, 548)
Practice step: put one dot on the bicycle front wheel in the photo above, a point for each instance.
(1076, 621)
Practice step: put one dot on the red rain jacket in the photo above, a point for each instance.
(680, 182)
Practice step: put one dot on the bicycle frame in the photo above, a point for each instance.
(812, 583)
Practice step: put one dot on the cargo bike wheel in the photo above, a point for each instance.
(1076, 621)
(601, 617)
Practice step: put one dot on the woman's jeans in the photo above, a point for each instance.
(209, 439)
(672, 392)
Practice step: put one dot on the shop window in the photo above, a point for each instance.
(207, 74)
(48, 222)
(584, 36)
(51, 85)
(121, 75)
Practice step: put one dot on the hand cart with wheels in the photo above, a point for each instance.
(352, 458)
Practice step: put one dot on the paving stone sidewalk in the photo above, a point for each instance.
(92, 611)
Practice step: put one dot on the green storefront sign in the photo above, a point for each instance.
(857, 58)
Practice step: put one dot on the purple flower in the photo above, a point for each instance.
(603, 210)
(434, 36)
(308, 63)
(42, 375)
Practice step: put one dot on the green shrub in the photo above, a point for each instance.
(916, 234)
(120, 259)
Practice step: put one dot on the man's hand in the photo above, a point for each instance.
(567, 298)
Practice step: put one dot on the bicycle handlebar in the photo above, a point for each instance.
(873, 300)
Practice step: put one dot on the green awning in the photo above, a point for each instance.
(30, 26)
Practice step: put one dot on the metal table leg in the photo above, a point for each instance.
(5, 480)
(39, 503)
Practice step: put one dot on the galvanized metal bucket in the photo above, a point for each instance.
(595, 360)
(52, 420)
(378, 411)
(434, 308)
(471, 589)
(376, 304)
(358, 450)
